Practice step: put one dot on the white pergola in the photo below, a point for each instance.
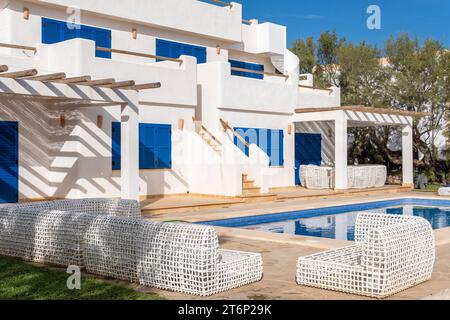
(58, 90)
(359, 116)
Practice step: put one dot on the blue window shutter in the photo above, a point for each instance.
(239, 143)
(87, 33)
(281, 148)
(9, 162)
(164, 146)
(162, 49)
(52, 31)
(116, 145)
(249, 66)
(171, 49)
(147, 146)
(102, 39)
(237, 64)
(69, 34)
(270, 147)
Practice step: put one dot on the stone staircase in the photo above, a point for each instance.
(208, 137)
(248, 186)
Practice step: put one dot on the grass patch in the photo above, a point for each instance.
(22, 281)
(430, 188)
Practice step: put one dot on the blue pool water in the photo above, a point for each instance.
(339, 222)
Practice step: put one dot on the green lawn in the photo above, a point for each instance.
(22, 281)
(431, 188)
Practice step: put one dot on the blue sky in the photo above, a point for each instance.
(303, 18)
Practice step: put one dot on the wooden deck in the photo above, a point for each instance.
(189, 203)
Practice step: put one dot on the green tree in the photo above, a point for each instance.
(305, 50)
(413, 77)
(327, 69)
(420, 83)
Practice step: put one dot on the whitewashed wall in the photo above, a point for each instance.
(121, 21)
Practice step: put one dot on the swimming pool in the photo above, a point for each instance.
(339, 222)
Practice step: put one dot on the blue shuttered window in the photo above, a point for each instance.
(116, 142)
(171, 49)
(54, 31)
(249, 66)
(270, 141)
(155, 146)
(9, 162)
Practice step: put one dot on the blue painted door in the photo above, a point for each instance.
(9, 162)
(308, 150)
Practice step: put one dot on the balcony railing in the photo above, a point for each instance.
(260, 72)
(136, 54)
(227, 4)
(14, 46)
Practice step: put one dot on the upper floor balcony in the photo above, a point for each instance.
(222, 22)
(272, 92)
(77, 58)
(310, 96)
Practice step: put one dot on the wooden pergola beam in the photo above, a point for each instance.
(74, 80)
(366, 109)
(100, 82)
(19, 74)
(3, 68)
(120, 84)
(145, 86)
(48, 77)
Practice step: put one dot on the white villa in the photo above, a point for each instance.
(142, 98)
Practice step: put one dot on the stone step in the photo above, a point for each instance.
(248, 184)
(254, 190)
(252, 198)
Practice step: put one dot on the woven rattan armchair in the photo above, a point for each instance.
(48, 237)
(115, 207)
(178, 257)
(392, 253)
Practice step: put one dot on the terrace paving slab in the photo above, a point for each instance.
(279, 276)
(280, 251)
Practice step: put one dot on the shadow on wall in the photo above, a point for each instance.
(34, 144)
(73, 159)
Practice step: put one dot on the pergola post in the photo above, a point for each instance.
(407, 156)
(341, 152)
(130, 152)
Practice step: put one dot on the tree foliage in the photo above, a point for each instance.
(404, 75)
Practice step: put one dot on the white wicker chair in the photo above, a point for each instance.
(380, 176)
(186, 258)
(178, 257)
(115, 207)
(316, 177)
(48, 237)
(444, 192)
(392, 253)
(110, 247)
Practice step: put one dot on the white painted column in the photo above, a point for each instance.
(407, 156)
(130, 152)
(341, 151)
